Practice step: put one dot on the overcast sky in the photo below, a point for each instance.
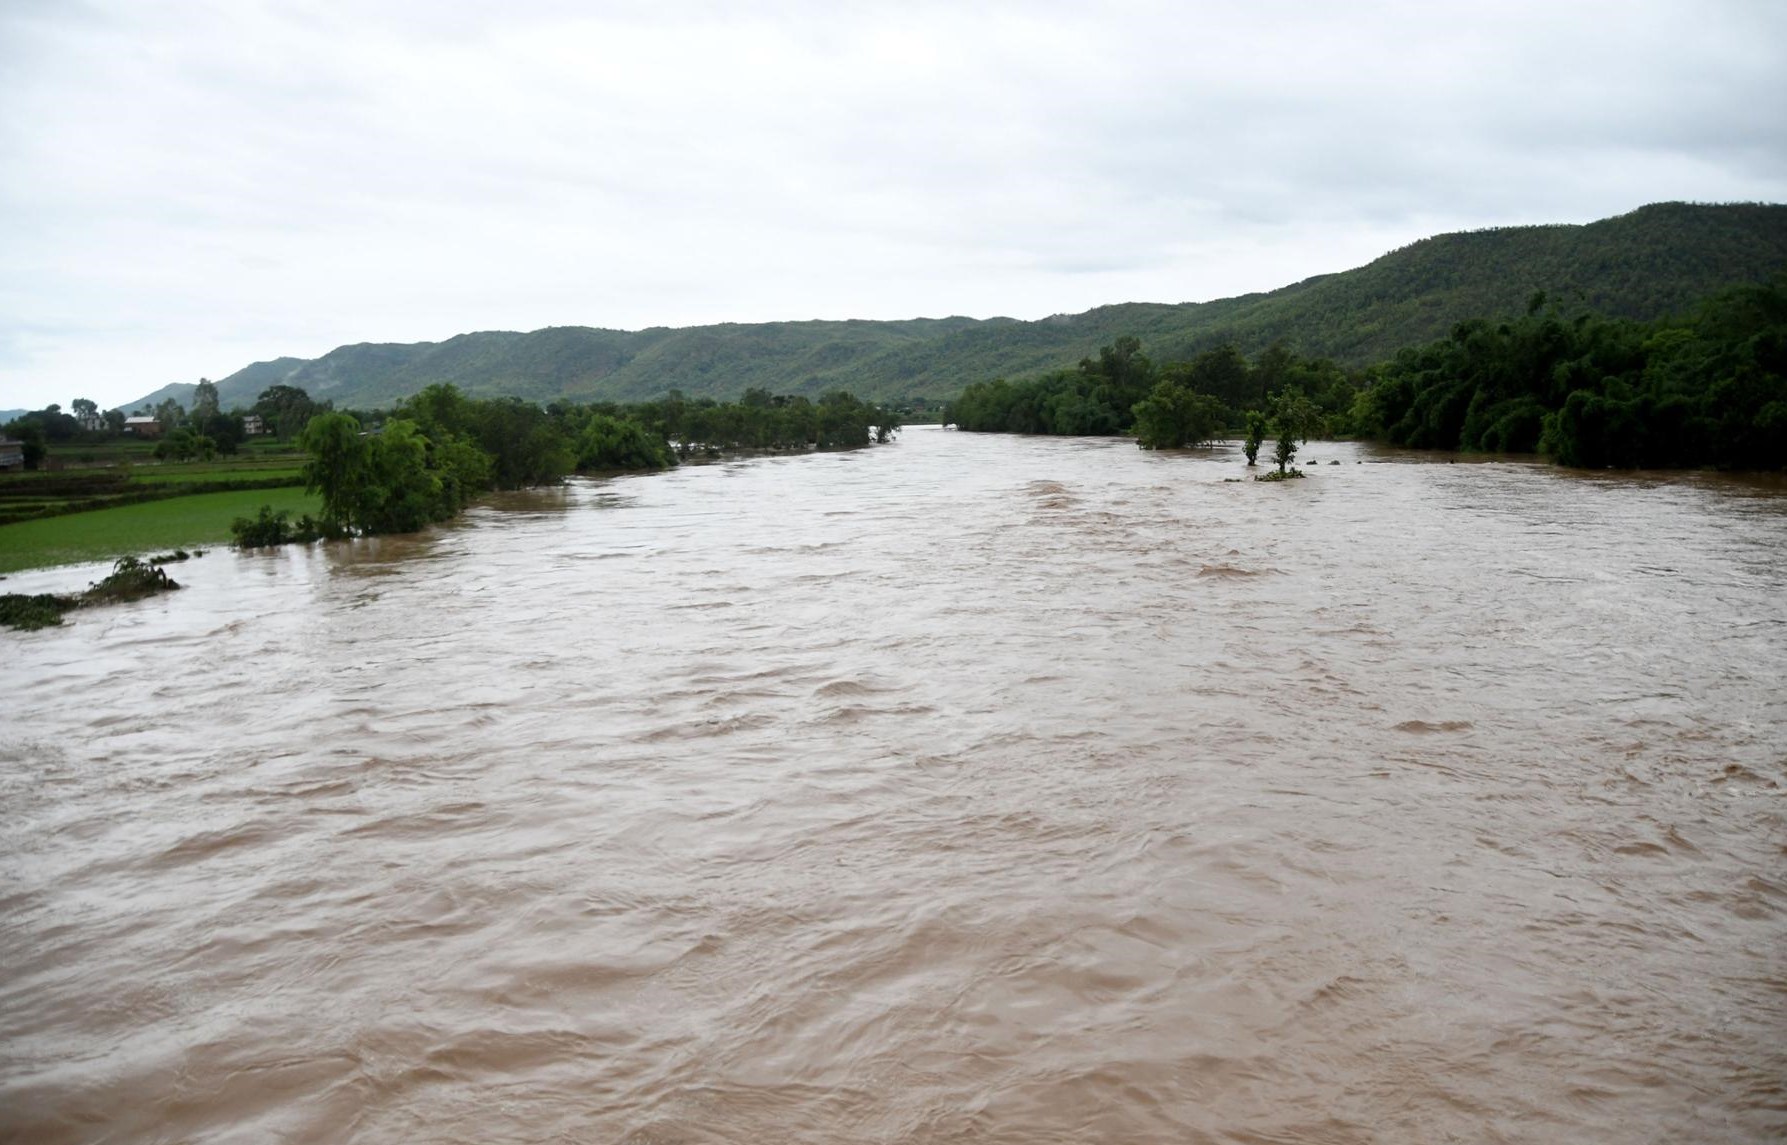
(189, 187)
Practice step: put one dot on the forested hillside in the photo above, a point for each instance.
(1654, 261)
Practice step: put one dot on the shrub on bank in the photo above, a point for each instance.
(269, 528)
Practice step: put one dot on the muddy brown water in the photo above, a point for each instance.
(964, 789)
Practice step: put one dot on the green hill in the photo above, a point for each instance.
(1654, 261)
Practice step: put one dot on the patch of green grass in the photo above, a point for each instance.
(156, 526)
(26, 478)
(185, 474)
(23, 503)
(102, 453)
(26, 496)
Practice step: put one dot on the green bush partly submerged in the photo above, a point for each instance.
(275, 527)
(130, 579)
(33, 611)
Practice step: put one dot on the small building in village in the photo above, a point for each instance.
(252, 426)
(143, 427)
(12, 455)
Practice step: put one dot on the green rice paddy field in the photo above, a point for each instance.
(200, 520)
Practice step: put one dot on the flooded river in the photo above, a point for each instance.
(964, 789)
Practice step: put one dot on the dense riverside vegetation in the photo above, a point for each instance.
(1651, 262)
(1705, 389)
(1167, 407)
(438, 450)
(290, 467)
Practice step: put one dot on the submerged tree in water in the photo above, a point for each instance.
(1256, 433)
(1174, 416)
(394, 481)
(616, 443)
(1294, 418)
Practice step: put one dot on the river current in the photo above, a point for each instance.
(963, 789)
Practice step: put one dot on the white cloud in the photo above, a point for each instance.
(190, 187)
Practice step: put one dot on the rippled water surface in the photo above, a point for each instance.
(962, 789)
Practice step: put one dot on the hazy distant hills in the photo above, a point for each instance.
(1653, 261)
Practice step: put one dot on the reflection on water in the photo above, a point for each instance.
(969, 788)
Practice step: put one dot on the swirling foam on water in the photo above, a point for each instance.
(963, 789)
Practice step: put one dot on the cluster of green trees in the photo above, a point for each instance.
(200, 432)
(284, 410)
(394, 481)
(436, 451)
(1705, 389)
(430, 455)
(1168, 407)
(205, 429)
(1097, 397)
(37, 430)
(759, 420)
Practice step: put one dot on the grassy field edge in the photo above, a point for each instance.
(200, 519)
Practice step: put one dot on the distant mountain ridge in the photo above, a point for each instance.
(1654, 261)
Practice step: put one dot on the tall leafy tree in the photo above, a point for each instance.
(287, 409)
(169, 414)
(338, 467)
(1294, 419)
(1256, 434)
(204, 401)
(401, 493)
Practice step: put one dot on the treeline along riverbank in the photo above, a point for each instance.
(439, 449)
(377, 471)
(1703, 389)
(1707, 388)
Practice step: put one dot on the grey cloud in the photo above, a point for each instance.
(201, 184)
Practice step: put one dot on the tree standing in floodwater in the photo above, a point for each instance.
(1294, 417)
